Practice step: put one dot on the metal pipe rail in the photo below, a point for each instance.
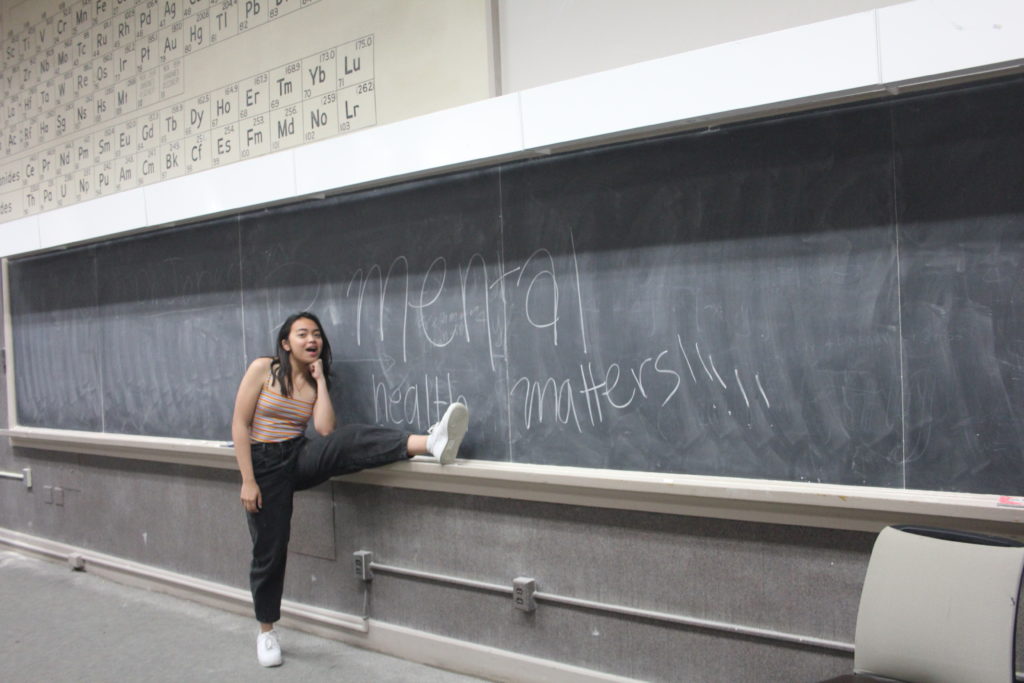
(25, 475)
(516, 591)
(696, 622)
(441, 578)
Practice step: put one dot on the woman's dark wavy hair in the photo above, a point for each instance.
(281, 365)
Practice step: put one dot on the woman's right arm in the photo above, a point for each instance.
(241, 424)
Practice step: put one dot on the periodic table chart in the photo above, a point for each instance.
(101, 96)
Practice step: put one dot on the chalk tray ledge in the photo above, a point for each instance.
(837, 506)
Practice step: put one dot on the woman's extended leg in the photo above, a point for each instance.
(348, 449)
(351, 448)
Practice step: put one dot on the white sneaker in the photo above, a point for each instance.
(268, 649)
(446, 436)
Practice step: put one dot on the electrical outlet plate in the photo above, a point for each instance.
(363, 558)
(522, 593)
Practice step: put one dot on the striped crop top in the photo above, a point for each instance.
(278, 417)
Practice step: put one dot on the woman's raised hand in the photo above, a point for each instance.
(316, 369)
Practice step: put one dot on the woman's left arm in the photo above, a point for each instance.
(323, 409)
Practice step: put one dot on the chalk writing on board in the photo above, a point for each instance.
(451, 301)
(370, 286)
(402, 404)
(584, 399)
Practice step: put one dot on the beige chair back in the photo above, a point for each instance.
(937, 610)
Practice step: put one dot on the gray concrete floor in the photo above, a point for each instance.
(61, 625)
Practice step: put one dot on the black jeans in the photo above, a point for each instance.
(283, 468)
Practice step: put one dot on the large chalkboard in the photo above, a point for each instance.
(833, 296)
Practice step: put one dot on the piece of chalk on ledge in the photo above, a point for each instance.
(1011, 501)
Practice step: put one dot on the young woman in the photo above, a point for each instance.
(276, 399)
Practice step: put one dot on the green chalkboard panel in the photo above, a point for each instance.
(833, 296)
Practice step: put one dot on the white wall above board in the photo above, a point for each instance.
(922, 42)
(543, 42)
(486, 130)
(818, 61)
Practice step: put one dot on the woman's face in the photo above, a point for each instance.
(304, 341)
